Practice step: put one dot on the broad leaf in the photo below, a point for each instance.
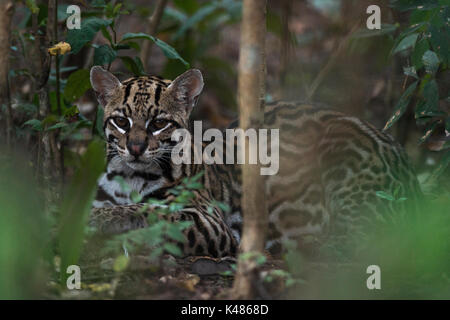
(431, 95)
(104, 55)
(77, 84)
(365, 33)
(134, 65)
(406, 43)
(384, 195)
(89, 27)
(431, 61)
(168, 50)
(173, 249)
(400, 108)
(35, 124)
(198, 16)
(418, 52)
(429, 131)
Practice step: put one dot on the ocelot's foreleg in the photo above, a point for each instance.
(207, 235)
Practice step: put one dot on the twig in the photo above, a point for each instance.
(330, 64)
(152, 27)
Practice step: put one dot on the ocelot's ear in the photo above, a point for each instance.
(186, 88)
(104, 83)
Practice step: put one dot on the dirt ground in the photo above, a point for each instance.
(193, 278)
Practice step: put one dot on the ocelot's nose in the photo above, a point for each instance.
(136, 149)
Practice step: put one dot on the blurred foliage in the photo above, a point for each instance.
(77, 204)
(413, 254)
(24, 230)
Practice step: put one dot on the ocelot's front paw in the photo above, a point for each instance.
(117, 219)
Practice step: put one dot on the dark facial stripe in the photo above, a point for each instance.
(128, 110)
(127, 92)
(157, 95)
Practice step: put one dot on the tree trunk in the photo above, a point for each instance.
(6, 11)
(251, 86)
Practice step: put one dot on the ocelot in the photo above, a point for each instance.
(330, 168)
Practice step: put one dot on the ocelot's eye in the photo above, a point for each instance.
(122, 122)
(159, 123)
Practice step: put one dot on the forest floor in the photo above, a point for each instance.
(194, 278)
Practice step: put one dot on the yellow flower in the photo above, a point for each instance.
(59, 49)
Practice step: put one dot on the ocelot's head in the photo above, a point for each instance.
(141, 113)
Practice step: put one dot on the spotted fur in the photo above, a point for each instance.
(331, 166)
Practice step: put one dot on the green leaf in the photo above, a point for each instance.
(121, 263)
(406, 5)
(71, 112)
(98, 3)
(135, 196)
(172, 249)
(104, 55)
(175, 14)
(440, 42)
(384, 195)
(134, 65)
(406, 43)
(117, 9)
(77, 84)
(175, 233)
(31, 4)
(198, 16)
(106, 34)
(423, 111)
(431, 62)
(56, 126)
(402, 104)
(35, 124)
(123, 185)
(431, 95)
(365, 33)
(168, 50)
(77, 204)
(77, 38)
(417, 54)
(429, 131)
(129, 45)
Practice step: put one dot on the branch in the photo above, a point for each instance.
(153, 23)
(343, 44)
